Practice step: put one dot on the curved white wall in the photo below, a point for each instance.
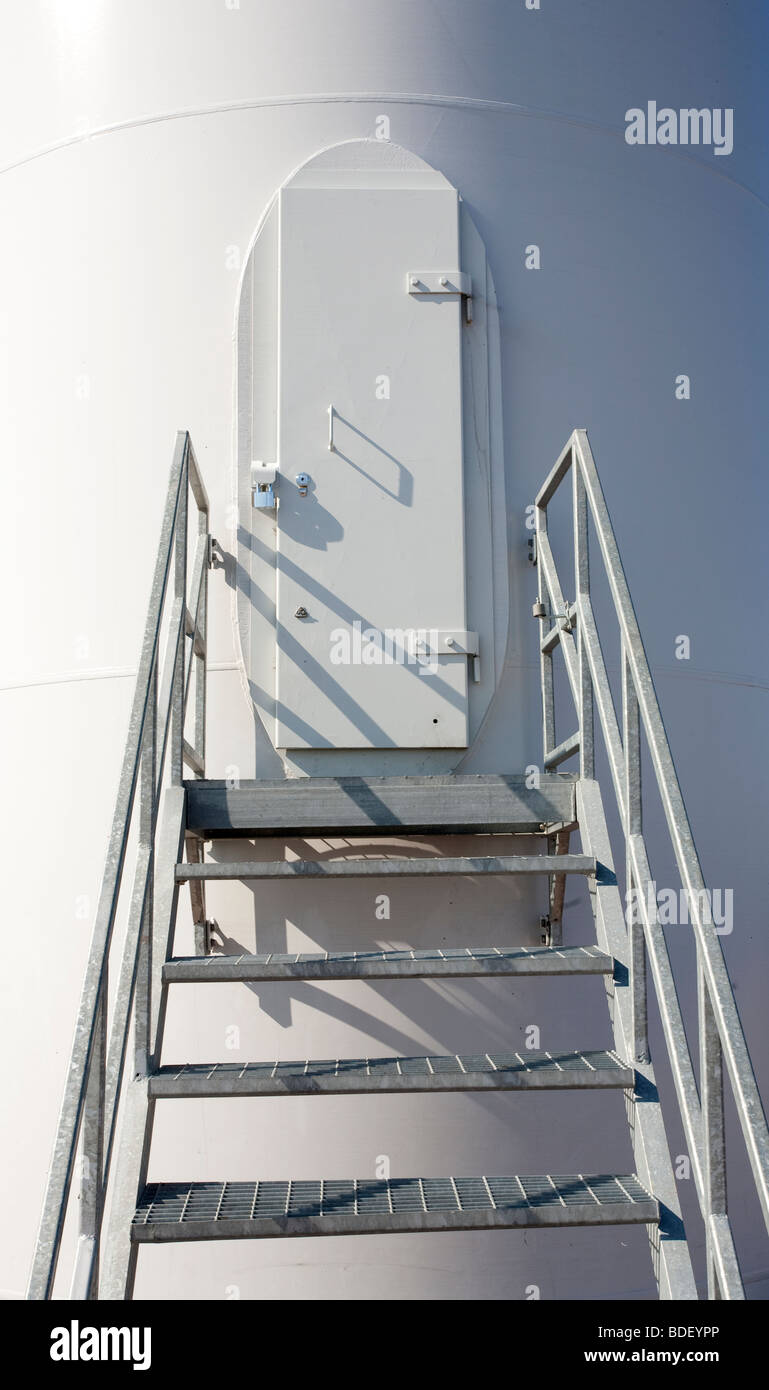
(139, 146)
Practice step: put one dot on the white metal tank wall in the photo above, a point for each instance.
(139, 146)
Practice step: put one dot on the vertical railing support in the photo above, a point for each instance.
(713, 1132)
(85, 1279)
(582, 591)
(180, 595)
(147, 823)
(633, 818)
(201, 667)
(545, 658)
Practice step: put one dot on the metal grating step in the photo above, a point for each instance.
(389, 868)
(460, 961)
(485, 1072)
(237, 1210)
(443, 804)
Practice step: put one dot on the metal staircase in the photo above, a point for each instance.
(109, 1104)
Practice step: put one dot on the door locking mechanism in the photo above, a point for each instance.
(264, 484)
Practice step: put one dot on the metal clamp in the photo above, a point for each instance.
(451, 642)
(442, 282)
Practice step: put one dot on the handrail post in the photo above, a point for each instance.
(633, 819)
(180, 594)
(201, 670)
(85, 1279)
(147, 821)
(582, 590)
(545, 658)
(713, 1131)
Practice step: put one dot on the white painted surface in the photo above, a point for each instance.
(405, 517)
(376, 546)
(120, 256)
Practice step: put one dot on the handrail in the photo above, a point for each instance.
(720, 1033)
(93, 1085)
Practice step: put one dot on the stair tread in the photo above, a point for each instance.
(440, 804)
(388, 868)
(231, 1210)
(479, 1071)
(350, 965)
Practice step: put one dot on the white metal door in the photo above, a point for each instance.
(371, 643)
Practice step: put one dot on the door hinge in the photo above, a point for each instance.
(450, 642)
(443, 282)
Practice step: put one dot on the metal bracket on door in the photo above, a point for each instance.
(442, 282)
(450, 642)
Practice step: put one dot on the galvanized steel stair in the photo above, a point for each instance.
(193, 1211)
(232, 1211)
(440, 962)
(531, 1071)
(108, 1105)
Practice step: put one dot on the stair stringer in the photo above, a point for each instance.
(670, 1251)
(137, 1107)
